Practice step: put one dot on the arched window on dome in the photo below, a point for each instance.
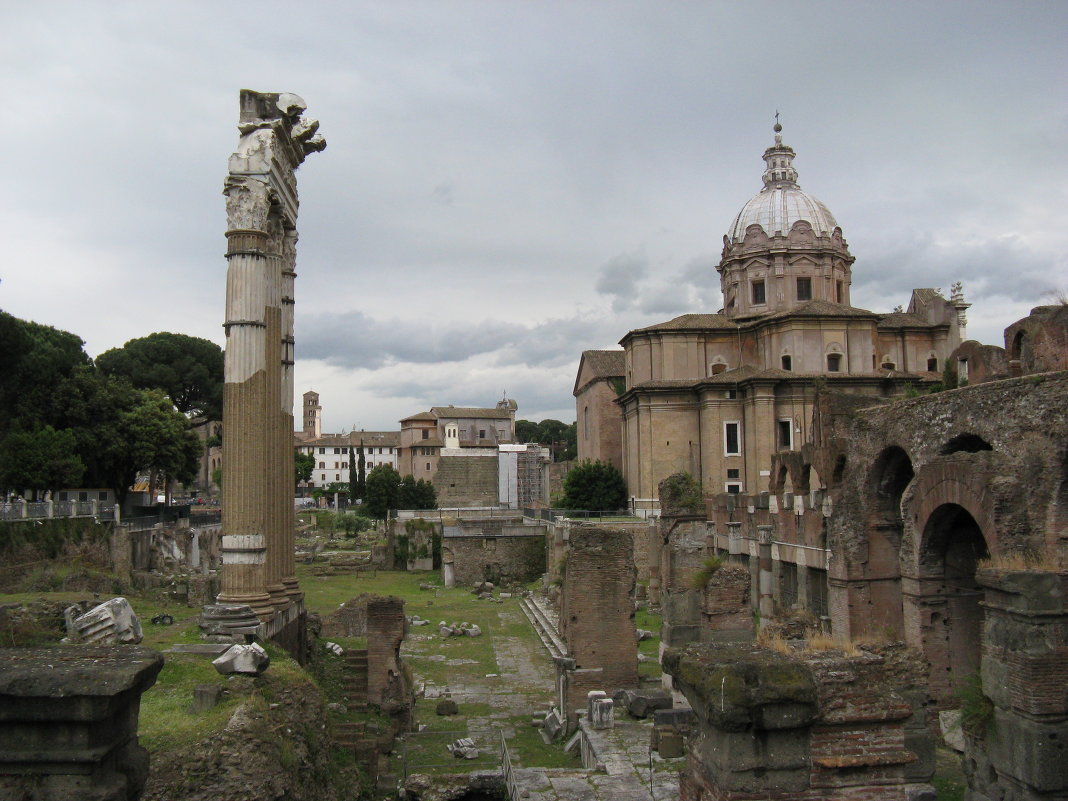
(787, 362)
(717, 366)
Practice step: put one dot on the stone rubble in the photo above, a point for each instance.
(111, 623)
(249, 660)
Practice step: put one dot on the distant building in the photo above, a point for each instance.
(717, 395)
(462, 430)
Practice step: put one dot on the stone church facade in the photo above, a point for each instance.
(717, 395)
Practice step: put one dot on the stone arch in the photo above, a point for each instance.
(949, 516)
(951, 547)
(970, 443)
(717, 365)
(888, 478)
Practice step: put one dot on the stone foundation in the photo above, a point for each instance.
(805, 726)
(68, 722)
(1016, 737)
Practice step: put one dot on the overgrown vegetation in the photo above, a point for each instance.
(708, 569)
(976, 709)
(681, 492)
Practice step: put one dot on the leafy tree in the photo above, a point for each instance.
(303, 464)
(560, 437)
(189, 369)
(34, 359)
(417, 494)
(216, 477)
(357, 472)
(594, 486)
(121, 431)
(383, 491)
(40, 460)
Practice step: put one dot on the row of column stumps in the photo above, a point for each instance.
(261, 206)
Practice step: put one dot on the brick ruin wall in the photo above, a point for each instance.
(466, 481)
(597, 611)
(388, 684)
(1016, 735)
(803, 726)
(500, 558)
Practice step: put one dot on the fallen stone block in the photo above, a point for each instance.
(335, 649)
(464, 748)
(205, 696)
(250, 660)
(680, 718)
(642, 703)
(111, 623)
(643, 634)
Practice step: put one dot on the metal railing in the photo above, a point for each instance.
(552, 515)
(14, 511)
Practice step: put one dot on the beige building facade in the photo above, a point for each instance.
(717, 395)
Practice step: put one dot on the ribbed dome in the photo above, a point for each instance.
(781, 203)
(776, 210)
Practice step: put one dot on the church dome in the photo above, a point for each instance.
(781, 202)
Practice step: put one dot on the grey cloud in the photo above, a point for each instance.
(619, 276)
(355, 340)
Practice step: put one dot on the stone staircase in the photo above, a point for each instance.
(355, 681)
(544, 621)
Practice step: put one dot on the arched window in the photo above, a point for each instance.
(787, 362)
(834, 362)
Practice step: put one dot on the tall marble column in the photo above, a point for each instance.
(261, 208)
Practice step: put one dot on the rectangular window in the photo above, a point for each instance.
(788, 584)
(103, 496)
(734, 487)
(370, 465)
(838, 292)
(337, 477)
(759, 295)
(322, 475)
(734, 472)
(426, 434)
(804, 289)
(817, 592)
(322, 465)
(428, 466)
(786, 435)
(482, 433)
(731, 439)
(344, 450)
(834, 362)
(322, 450)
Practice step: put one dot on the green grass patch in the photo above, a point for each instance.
(166, 721)
(529, 750)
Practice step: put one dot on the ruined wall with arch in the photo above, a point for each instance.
(922, 490)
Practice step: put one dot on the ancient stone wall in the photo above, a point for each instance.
(597, 609)
(499, 558)
(923, 489)
(1039, 342)
(1016, 721)
(388, 685)
(806, 725)
(466, 481)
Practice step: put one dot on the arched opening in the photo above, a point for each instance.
(953, 545)
(890, 476)
(969, 443)
(834, 362)
(718, 367)
(1016, 353)
(839, 470)
(787, 362)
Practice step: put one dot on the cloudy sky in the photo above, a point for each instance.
(510, 183)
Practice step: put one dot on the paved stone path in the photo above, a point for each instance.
(525, 686)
